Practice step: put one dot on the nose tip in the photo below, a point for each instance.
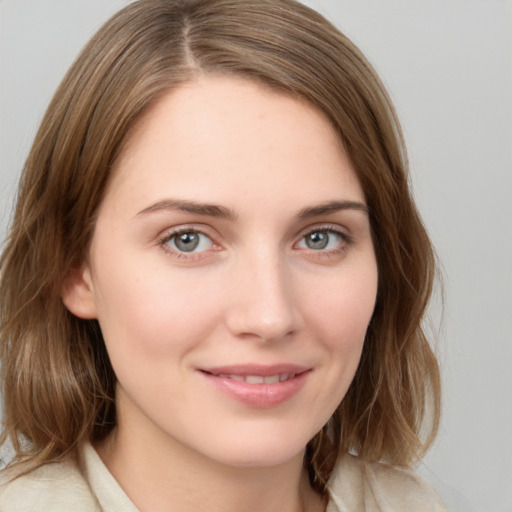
(264, 306)
(267, 328)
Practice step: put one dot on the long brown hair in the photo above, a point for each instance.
(57, 382)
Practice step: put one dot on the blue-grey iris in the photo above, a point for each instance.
(187, 242)
(317, 240)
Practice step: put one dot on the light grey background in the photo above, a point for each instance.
(448, 66)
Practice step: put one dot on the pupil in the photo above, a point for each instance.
(318, 240)
(187, 242)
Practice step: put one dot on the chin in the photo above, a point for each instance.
(262, 460)
(261, 451)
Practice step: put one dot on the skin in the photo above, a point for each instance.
(256, 290)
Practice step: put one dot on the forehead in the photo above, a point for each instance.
(219, 135)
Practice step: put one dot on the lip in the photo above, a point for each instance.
(260, 395)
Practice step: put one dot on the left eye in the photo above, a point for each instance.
(189, 241)
(321, 240)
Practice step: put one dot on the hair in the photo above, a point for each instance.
(57, 382)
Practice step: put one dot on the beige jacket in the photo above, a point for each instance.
(356, 486)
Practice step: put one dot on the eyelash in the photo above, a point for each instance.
(191, 256)
(346, 241)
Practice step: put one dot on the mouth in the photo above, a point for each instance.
(258, 386)
(255, 379)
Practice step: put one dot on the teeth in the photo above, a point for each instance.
(254, 379)
(258, 379)
(236, 377)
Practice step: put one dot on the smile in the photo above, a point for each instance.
(258, 386)
(258, 379)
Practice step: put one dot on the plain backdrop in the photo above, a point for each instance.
(448, 67)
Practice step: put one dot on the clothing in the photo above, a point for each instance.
(355, 486)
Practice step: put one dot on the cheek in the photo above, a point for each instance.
(340, 315)
(344, 305)
(151, 325)
(337, 315)
(149, 313)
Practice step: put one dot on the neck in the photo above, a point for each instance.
(160, 477)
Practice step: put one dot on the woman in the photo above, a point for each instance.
(214, 282)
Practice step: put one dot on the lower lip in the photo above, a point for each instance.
(259, 395)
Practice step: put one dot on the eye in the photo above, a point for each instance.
(323, 240)
(188, 241)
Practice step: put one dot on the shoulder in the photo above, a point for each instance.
(53, 488)
(360, 485)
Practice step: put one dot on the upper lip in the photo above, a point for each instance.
(256, 369)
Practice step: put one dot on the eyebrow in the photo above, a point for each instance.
(187, 206)
(332, 207)
(221, 212)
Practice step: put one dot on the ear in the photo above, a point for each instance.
(78, 293)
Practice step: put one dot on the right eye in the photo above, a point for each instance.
(187, 241)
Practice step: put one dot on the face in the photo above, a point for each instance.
(232, 273)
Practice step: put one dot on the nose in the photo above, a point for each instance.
(263, 304)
